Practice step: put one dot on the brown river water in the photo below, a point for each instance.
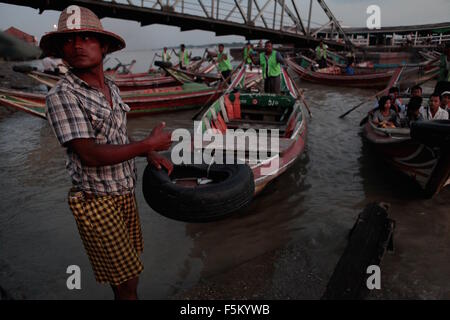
(300, 221)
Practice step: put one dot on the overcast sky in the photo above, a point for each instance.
(350, 12)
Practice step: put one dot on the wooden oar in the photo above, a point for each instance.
(392, 82)
(153, 60)
(302, 98)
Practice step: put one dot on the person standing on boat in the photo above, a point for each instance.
(434, 111)
(248, 52)
(88, 117)
(270, 61)
(165, 55)
(183, 57)
(321, 54)
(224, 64)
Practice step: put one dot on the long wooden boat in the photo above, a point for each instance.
(134, 82)
(124, 85)
(182, 97)
(422, 152)
(363, 77)
(141, 102)
(259, 111)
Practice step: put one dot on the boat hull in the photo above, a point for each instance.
(376, 80)
(35, 103)
(428, 166)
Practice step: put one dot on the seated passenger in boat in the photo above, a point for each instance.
(397, 103)
(412, 112)
(384, 116)
(416, 91)
(349, 70)
(433, 111)
(445, 101)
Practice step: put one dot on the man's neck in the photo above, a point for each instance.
(92, 76)
(433, 110)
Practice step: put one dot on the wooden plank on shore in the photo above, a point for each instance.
(369, 238)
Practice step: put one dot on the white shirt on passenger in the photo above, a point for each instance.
(441, 114)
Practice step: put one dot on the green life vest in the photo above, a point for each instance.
(165, 56)
(274, 65)
(247, 54)
(321, 52)
(184, 61)
(225, 64)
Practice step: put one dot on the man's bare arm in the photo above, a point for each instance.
(96, 155)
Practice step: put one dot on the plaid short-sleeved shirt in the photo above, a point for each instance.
(76, 110)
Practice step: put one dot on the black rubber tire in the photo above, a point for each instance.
(163, 64)
(231, 192)
(432, 133)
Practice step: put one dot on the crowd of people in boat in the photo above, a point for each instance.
(392, 113)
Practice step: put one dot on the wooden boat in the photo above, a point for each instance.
(186, 96)
(260, 111)
(31, 107)
(124, 85)
(142, 102)
(133, 83)
(422, 152)
(363, 77)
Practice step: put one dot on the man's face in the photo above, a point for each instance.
(445, 100)
(268, 48)
(435, 102)
(83, 50)
(416, 93)
(220, 49)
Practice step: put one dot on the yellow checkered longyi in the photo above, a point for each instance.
(110, 229)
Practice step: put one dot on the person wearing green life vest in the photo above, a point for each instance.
(321, 54)
(270, 61)
(248, 51)
(165, 55)
(183, 57)
(224, 64)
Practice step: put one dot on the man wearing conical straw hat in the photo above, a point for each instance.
(88, 118)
